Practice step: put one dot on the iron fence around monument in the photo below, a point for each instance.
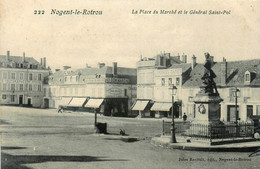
(210, 131)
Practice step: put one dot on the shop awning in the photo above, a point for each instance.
(159, 106)
(166, 106)
(94, 103)
(65, 100)
(140, 105)
(77, 102)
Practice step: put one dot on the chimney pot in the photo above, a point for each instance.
(114, 68)
(7, 55)
(193, 61)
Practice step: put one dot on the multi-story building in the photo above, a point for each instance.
(115, 86)
(245, 75)
(21, 80)
(154, 78)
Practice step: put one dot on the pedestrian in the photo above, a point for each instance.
(60, 109)
(184, 117)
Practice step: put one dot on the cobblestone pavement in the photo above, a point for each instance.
(44, 139)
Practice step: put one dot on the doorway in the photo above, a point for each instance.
(21, 99)
(29, 102)
(231, 114)
(46, 103)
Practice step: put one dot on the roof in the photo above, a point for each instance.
(106, 71)
(18, 59)
(183, 66)
(235, 73)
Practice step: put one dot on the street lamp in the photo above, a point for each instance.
(173, 138)
(235, 93)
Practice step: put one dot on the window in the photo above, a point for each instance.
(70, 78)
(65, 79)
(77, 78)
(45, 92)
(39, 88)
(12, 75)
(170, 81)
(4, 96)
(4, 75)
(161, 61)
(4, 87)
(12, 98)
(257, 109)
(163, 82)
(21, 76)
(39, 77)
(13, 87)
(21, 87)
(249, 110)
(177, 81)
(30, 76)
(247, 77)
(30, 87)
(125, 92)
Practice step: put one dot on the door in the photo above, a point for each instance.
(231, 114)
(21, 99)
(46, 103)
(29, 102)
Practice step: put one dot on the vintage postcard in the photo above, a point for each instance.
(129, 84)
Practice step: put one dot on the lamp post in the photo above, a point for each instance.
(173, 138)
(235, 94)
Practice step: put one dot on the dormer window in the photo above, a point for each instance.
(247, 77)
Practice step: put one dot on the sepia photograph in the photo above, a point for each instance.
(141, 84)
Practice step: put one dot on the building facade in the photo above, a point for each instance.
(243, 75)
(115, 85)
(155, 76)
(21, 80)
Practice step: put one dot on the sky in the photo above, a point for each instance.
(120, 36)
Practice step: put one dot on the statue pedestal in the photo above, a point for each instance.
(207, 115)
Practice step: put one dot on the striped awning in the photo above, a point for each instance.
(140, 105)
(65, 100)
(94, 103)
(161, 106)
(77, 102)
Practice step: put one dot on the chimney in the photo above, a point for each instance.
(44, 62)
(178, 56)
(114, 68)
(224, 72)
(193, 64)
(100, 65)
(184, 58)
(41, 61)
(23, 56)
(7, 55)
(212, 60)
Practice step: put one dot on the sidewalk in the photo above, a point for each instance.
(182, 144)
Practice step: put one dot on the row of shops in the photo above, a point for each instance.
(150, 108)
(107, 106)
